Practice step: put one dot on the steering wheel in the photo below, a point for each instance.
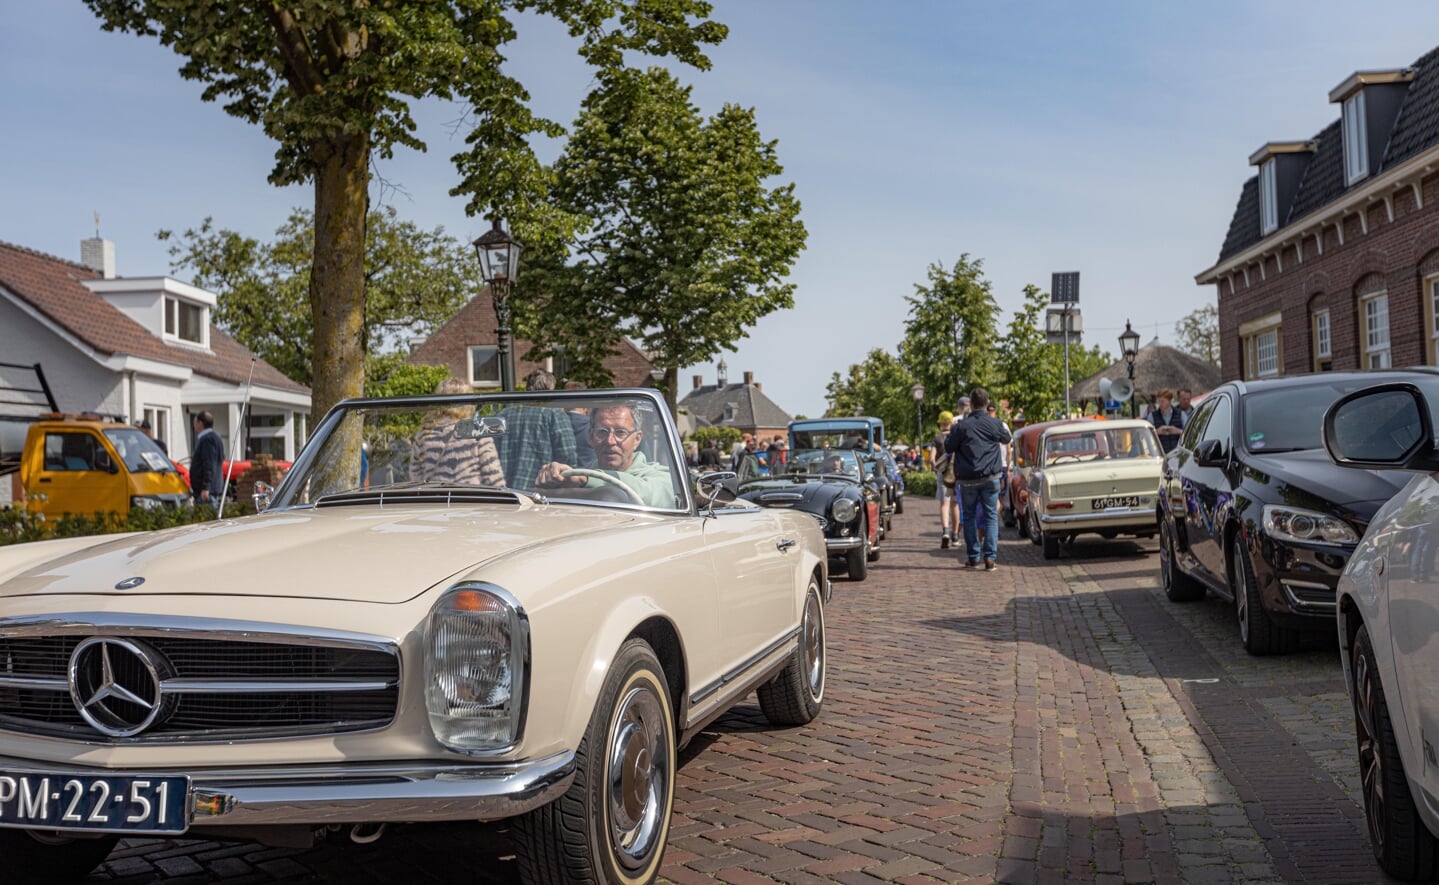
(630, 493)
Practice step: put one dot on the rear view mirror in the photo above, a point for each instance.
(1383, 426)
(262, 495)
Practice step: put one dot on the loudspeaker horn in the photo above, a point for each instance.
(1121, 389)
(1104, 388)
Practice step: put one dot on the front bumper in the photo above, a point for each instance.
(842, 545)
(1299, 582)
(1135, 519)
(368, 793)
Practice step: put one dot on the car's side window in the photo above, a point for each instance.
(1196, 425)
(1218, 425)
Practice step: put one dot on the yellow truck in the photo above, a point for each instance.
(81, 464)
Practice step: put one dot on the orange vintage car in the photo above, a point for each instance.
(1022, 455)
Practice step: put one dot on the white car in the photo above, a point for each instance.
(503, 607)
(1388, 604)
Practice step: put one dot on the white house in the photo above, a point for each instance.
(141, 348)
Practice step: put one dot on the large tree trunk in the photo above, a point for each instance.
(671, 382)
(337, 283)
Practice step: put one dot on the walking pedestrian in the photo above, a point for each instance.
(944, 488)
(976, 444)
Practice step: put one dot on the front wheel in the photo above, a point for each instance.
(1178, 586)
(857, 560)
(794, 696)
(1402, 844)
(33, 858)
(611, 826)
(1260, 635)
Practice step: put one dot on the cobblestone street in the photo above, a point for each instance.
(1042, 723)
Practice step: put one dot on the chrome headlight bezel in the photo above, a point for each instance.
(1300, 526)
(472, 625)
(843, 509)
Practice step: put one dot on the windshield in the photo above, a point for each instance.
(564, 446)
(1291, 418)
(834, 435)
(821, 462)
(138, 451)
(1116, 444)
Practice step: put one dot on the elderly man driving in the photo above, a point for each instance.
(615, 435)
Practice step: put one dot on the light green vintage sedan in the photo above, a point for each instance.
(1094, 477)
(454, 608)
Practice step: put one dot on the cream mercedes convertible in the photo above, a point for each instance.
(454, 608)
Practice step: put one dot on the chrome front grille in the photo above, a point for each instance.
(206, 689)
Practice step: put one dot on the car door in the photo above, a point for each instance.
(1208, 489)
(754, 565)
(75, 475)
(1173, 495)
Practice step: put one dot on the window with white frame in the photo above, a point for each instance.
(159, 419)
(485, 365)
(1268, 198)
(1356, 145)
(1266, 353)
(1375, 311)
(1323, 348)
(1431, 309)
(184, 320)
(1261, 346)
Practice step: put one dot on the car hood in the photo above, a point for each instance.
(361, 553)
(1312, 472)
(813, 496)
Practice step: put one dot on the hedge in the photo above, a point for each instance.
(18, 526)
(919, 483)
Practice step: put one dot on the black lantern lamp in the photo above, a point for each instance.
(499, 256)
(1129, 346)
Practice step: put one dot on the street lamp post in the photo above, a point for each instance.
(499, 257)
(1129, 346)
(917, 391)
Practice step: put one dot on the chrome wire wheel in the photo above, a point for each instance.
(636, 784)
(1371, 761)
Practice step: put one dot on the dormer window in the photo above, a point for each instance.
(1356, 143)
(184, 320)
(1268, 198)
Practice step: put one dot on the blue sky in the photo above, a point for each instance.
(1105, 137)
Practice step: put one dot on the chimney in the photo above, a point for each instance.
(749, 377)
(758, 386)
(699, 381)
(99, 256)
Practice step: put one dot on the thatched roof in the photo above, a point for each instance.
(1156, 367)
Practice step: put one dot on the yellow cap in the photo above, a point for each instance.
(946, 417)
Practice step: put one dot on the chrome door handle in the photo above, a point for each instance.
(785, 544)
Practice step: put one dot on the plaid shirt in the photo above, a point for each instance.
(534, 436)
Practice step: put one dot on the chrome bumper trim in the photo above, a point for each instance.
(1307, 604)
(1104, 517)
(381, 792)
(842, 544)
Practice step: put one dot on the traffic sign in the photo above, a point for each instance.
(1064, 287)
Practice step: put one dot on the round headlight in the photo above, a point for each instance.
(843, 510)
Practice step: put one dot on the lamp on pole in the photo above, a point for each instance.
(1129, 346)
(917, 391)
(499, 257)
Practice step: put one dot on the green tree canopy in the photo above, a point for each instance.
(1033, 371)
(880, 386)
(415, 280)
(950, 335)
(679, 243)
(1198, 334)
(331, 81)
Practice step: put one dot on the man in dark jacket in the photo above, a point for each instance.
(207, 478)
(977, 444)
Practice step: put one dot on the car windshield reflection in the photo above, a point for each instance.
(586, 447)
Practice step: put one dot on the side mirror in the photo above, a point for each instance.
(1388, 425)
(715, 487)
(104, 462)
(1210, 453)
(262, 495)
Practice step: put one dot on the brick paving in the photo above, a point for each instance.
(1048, 722)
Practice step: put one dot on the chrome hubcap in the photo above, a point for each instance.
(638, 774)
(813, 640)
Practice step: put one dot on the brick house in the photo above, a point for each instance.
(1331, 260)
(744, 406)
(467, 344)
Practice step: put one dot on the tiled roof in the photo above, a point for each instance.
(55, 288)
(1416, 129)
(752, 408)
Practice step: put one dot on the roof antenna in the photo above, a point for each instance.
(97, 224)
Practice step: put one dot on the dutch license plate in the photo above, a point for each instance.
(1112, 503)
(114, 803)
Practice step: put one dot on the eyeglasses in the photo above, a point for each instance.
(617, 434)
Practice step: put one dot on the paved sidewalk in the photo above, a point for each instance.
(1047, 722)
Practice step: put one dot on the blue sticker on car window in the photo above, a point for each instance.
(1256, 439)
